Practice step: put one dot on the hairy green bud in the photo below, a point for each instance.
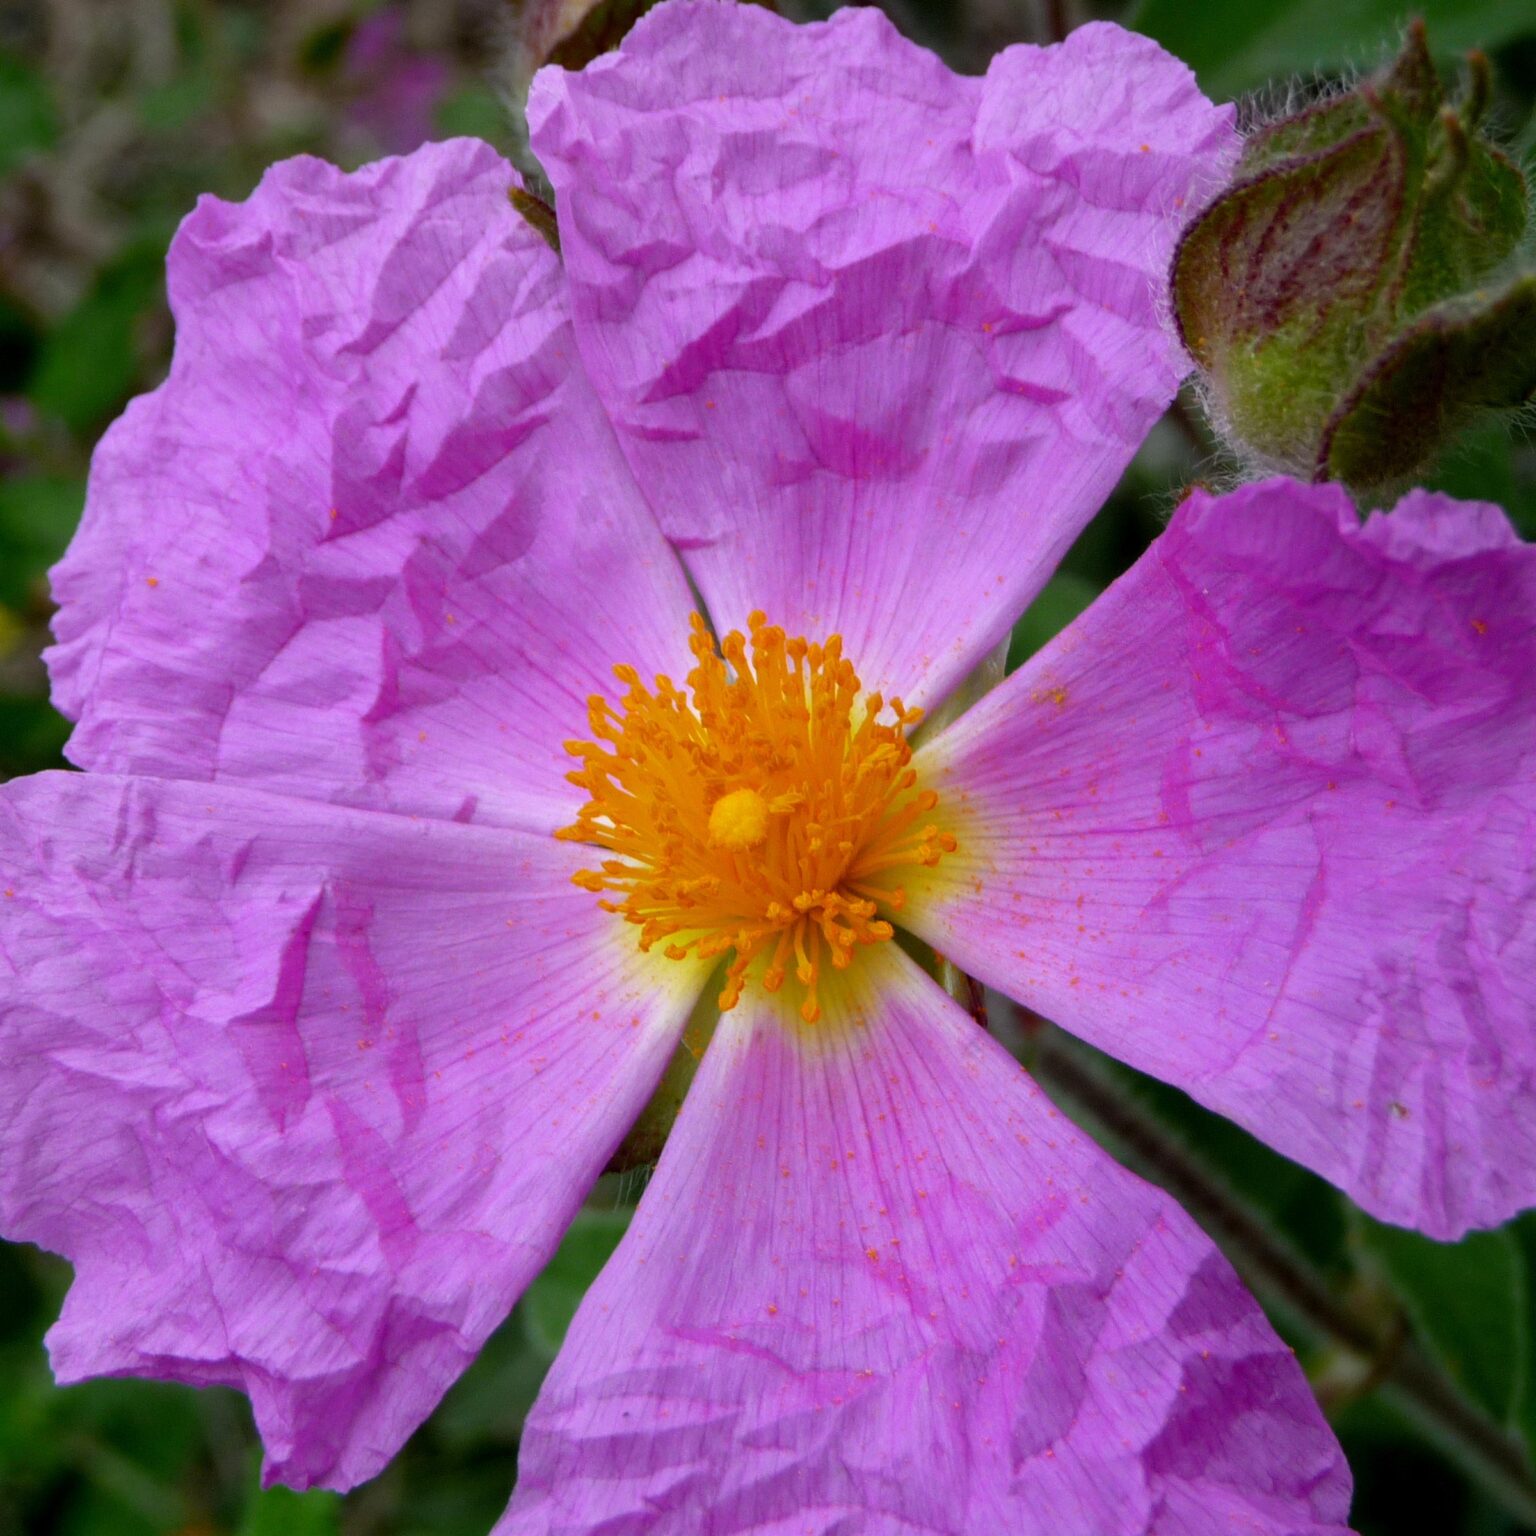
(1339, 296)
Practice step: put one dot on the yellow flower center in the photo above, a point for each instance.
(766, 810)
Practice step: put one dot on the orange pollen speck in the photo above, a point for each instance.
(764, 810)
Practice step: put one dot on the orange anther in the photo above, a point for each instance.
(752, 812)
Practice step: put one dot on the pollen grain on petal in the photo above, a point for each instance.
(765, 809)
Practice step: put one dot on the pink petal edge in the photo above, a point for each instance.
(879, 1283)
(372, 541)
(307, 1095)
(1263, 824)
(878, 339)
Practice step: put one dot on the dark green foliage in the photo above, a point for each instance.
(1235, 48)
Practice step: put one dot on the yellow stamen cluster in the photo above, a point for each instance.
(764, 810)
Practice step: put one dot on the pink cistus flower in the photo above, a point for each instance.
(327, 996)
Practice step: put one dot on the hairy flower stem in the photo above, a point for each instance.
(1073, 1076)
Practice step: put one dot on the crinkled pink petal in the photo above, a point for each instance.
(306, 1094)
(372, 541)
(878, 339)
(1263, 823)
(879, 1284)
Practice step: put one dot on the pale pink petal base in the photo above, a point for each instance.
(306, 1095)
(1263, 823)
(878, 339)
(372, 541)
(878, 1283)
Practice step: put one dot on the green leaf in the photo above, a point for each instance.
(1522, 1232)
(489, 1402)
(90, 363)
(551, 1301)
(282, 1512)
(1466, 1301)
(1486, 465)
(38, 515)
(178, 103)
(27, 121)
(324, 49)
(1063, 597)
(32, 737)
(1236, 48)
(474, 112)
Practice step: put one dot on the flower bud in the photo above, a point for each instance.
(1339, 296)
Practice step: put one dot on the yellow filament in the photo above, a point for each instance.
(765, 810)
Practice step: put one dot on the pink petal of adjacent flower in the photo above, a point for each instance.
(878, 339)
(879, 1284)
(372, 541)
(306, 1094)
(1262, 823)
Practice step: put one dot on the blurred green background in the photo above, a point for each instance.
(114, 116)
